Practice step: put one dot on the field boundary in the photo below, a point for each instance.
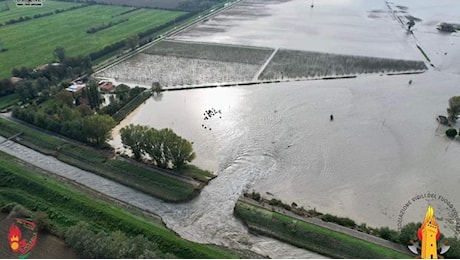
(262, 69)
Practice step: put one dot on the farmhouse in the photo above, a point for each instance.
(76, 86)
(106, 86)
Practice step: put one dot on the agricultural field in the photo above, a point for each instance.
(180, 63)
(162, 4)
(31, 43)
(305, 64)
(16, 12)
(210, 51)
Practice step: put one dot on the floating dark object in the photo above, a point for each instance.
(331, 117)
(442, 120)
(410, 82)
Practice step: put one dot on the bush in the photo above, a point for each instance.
(41, 220)
(19, 211)
(451, 133)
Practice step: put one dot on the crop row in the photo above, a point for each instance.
(215, 52)
(176, 71)
(300, 64)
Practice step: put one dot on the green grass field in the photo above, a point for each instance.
(31, 43)
(309, 236)
(66, 205)
(16, 12)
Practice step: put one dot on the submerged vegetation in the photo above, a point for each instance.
(164, 147)
(304, 64)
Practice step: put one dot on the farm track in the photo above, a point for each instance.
(256, 77)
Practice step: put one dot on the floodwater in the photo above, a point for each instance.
(186, 219)
(383, 148)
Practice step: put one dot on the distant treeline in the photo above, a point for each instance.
(105, 26)
(187, 5)
(127, 12)
(36, 16)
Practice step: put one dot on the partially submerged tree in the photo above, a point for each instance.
(454, 107)
(156, 87)
(132, 136)
(164, 147)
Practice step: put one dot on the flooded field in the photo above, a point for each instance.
(383, 148)
(358, 27)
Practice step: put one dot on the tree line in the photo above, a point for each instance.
(164, 148)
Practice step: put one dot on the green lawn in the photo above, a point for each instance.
(15, 12)
(65, 205)
(31, 43)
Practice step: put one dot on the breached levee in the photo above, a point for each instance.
(182, 63)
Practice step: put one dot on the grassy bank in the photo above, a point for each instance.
(100, 162)
(309, 236)
(66, 206)
(8, 100)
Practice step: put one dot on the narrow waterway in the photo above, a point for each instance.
(202, 220)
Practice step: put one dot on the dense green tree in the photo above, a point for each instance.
(59, 53)
(409, 232)
(84, 110)
(454, 107)
(132, 41)
(97, 128)
(6, 87)
(132, 137)
(64, 97)
(92, 93)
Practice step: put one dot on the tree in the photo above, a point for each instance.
(132, 41)
(132, 136)
(409, 232)
(65, 97)
(97, 128)
(92, 93)
(153, 146)
(156, 87)
(451, 132)
(179, 150)
(60, 54)
(454, 107)
(85, 110)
